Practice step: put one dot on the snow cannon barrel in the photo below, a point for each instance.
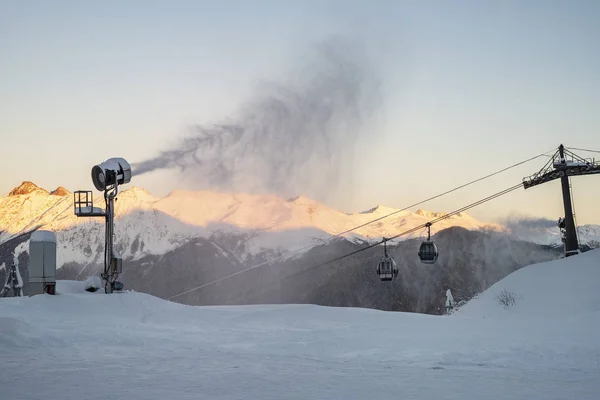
(110, 172)
(42, 263)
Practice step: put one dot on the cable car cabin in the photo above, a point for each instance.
(387, 269)
(428, 252)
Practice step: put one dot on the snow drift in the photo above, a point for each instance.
(564, 288)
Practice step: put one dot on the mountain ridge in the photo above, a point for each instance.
(157, 225)
(190, 238)
(146, 224)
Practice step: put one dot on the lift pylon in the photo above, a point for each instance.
(565, 164)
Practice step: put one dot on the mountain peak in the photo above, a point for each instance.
(300, 200)
(137, 193)
(380, 210)
(430, 214)
(60, 191)
(26, 187)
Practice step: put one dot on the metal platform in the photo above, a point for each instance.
(84, 205)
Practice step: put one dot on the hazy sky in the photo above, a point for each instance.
(468, 87)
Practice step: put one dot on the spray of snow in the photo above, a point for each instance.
(546, 231)
(291, 137)
(538, 230)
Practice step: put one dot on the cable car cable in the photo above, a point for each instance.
(362, 225)
(356, 251)
(416, 228)
(591, 151)
(445, 193)
(385, 216)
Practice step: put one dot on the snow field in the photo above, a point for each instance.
(131, 345)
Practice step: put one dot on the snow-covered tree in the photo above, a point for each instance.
(449, 301)
(14, 281)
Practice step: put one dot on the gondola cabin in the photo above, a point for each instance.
(387, 269)
(428, 252)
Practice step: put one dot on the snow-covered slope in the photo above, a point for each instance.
(561, 288)
(149, 225)
(80, 345)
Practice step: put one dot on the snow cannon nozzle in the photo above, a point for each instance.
(110, 172)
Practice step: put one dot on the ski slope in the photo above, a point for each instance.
(80, 345)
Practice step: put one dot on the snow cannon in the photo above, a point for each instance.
(106, 176)
(111, 172)
(42, 263)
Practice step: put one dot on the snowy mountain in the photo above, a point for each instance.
(543, 347)
(147, 225)
(256, 224)
(189, 238)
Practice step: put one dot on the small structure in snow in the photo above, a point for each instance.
(92, 284)
(42, 263)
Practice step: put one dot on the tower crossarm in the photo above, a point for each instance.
(563, 163)
(552, 174)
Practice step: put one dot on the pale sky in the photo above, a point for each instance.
(469, 87)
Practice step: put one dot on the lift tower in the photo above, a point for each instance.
(564, 164)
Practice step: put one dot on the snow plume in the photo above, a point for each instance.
(530, 223)
(537, 230)
(290, 138)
